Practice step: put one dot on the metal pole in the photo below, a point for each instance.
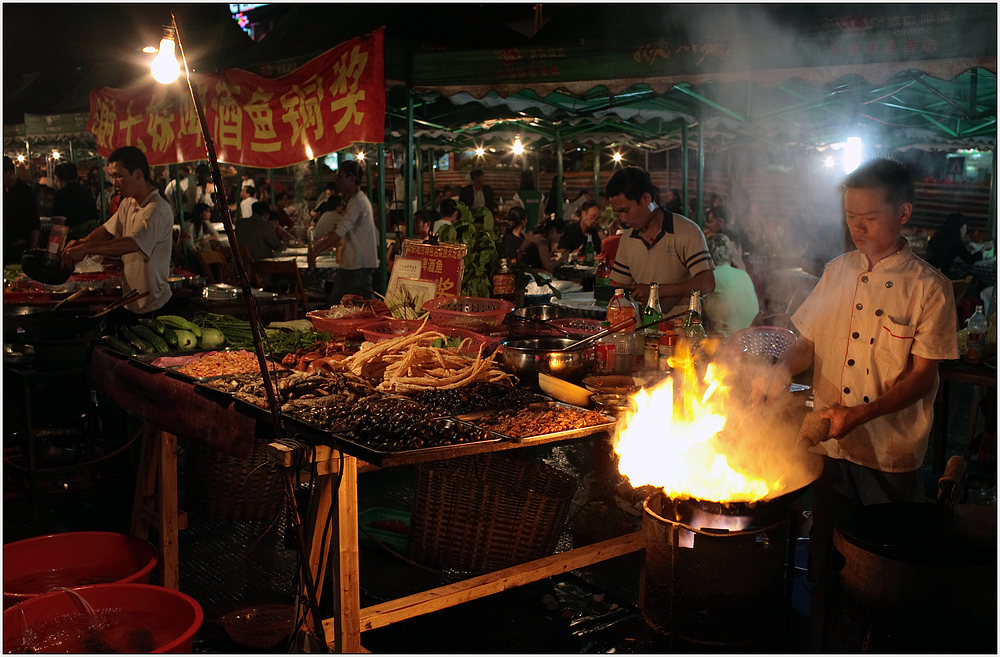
(408, 183)
(701, 174)
(418, 166)
(383, 265)
(432, 195)
(992, 219)
(559, 176)
(596, 154)
(684, 169)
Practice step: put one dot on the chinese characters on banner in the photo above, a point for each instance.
(327, 104)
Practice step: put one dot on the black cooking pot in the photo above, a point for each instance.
(55, 324)
(45, 267)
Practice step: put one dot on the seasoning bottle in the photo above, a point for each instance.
(605, 352)
(619, 308)
(976, 343)
(503, 282)
(665, 349)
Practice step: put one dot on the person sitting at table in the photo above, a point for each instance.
(198, 234)
(536, 250)
(588, 228)
(256, 233)
(732, 305)
(478, 195)
(717, 223)
(513, 237)
(449, 213)
(948, 245)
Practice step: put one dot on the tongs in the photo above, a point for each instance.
(120, 303)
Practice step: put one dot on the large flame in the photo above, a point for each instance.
(681, 447)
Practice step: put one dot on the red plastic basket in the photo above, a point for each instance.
(384, 329)
(471, 313)
(342, 328)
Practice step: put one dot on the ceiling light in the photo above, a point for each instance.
(518, 148)
(20, 158)
(617, 157)
(361, 155)
(56, 155)
(479, 151)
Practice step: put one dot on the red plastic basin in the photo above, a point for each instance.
(157, 618)
(36, 565)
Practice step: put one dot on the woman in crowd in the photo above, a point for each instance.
(199, 234)
(733, 305)
(530, 199)
(948, 243)
(536, 250)
(513, 237)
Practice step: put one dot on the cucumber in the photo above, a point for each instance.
(171, 337)
(140, 345)
(153, 324)
(118, 345)
(150, 336)
(178, 322)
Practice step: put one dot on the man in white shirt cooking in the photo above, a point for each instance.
(141, 232)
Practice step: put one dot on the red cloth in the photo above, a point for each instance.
(174, 406)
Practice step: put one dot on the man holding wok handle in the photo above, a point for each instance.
(874, 329)
(140, 231)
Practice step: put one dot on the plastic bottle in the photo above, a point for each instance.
(605, 352)
(620, 308)
(503, 282)
(976, 344)
(603, 272)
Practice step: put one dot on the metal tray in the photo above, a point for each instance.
(146, 360)
(422, 455)
(540, 406)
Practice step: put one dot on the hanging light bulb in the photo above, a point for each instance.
(165, 68)
(480, 151)
(617, 157)
(56, 155)
(361, 156)
(20, 158)
(518, 148)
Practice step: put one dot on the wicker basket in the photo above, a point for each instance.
(487, 512)
(471, 313)
(223, 487)
(259, 627)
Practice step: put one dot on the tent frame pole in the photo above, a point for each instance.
(408, 183)
(383, 265)
(684, 168)
(596, 153)
(701, 174)
(559, 175)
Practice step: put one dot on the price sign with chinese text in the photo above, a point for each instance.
(443, 263)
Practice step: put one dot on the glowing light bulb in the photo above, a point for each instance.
(149, 50)
(617, 157)
(853, 152)
(165, 68)
(361, 156)
(518, 148)
(829, 162)
(20, 159)
(480, 151)
(56, 155)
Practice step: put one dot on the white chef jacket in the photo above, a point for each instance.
(865, 325)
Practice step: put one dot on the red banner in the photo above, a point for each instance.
(330, 102)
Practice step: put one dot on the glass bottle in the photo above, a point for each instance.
(652, 312)
(503, 282)
(588, 253)
(976, 343)
(603, 272)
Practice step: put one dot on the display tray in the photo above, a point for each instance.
(146, 360)
(543, 437)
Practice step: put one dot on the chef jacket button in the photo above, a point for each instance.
(867, 371)
(872, 341)
(859, 306)
(888, 283)
(866, 399)
(851, 362)
(878, 313)
(855, 335)
(847, 391)
(864, 279)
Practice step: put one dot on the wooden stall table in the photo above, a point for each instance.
(957, 371)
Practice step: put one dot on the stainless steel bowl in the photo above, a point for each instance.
(526, 357)
(543, 313)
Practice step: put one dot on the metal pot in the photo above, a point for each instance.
(55, 325)
(45, 267)
(526, 357)
(543, 313)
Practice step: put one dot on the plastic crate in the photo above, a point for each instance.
(395, 540)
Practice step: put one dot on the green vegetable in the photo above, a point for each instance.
(153, 324)
(477, 231)
(140, 345)
(120, 346)
(150, 336)
(211, 338)
(303, 325)
(178, 322)
(186, 340)
(238, 335)
(447, 342)
(170, 336)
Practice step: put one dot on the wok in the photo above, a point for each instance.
(526, 357)
(55, 324)
(45, 267)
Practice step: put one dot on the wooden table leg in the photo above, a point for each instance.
(346, 564)
(156, 483)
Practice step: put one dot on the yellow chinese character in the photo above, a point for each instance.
(347, 72)
(437, 266)
(127, 123)
(104, 126)
(190, 124)
(263, 122)
(159, 127)
(229, 116)
(302, 108)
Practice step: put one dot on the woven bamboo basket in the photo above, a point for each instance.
(487, 512)
(222, 487)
